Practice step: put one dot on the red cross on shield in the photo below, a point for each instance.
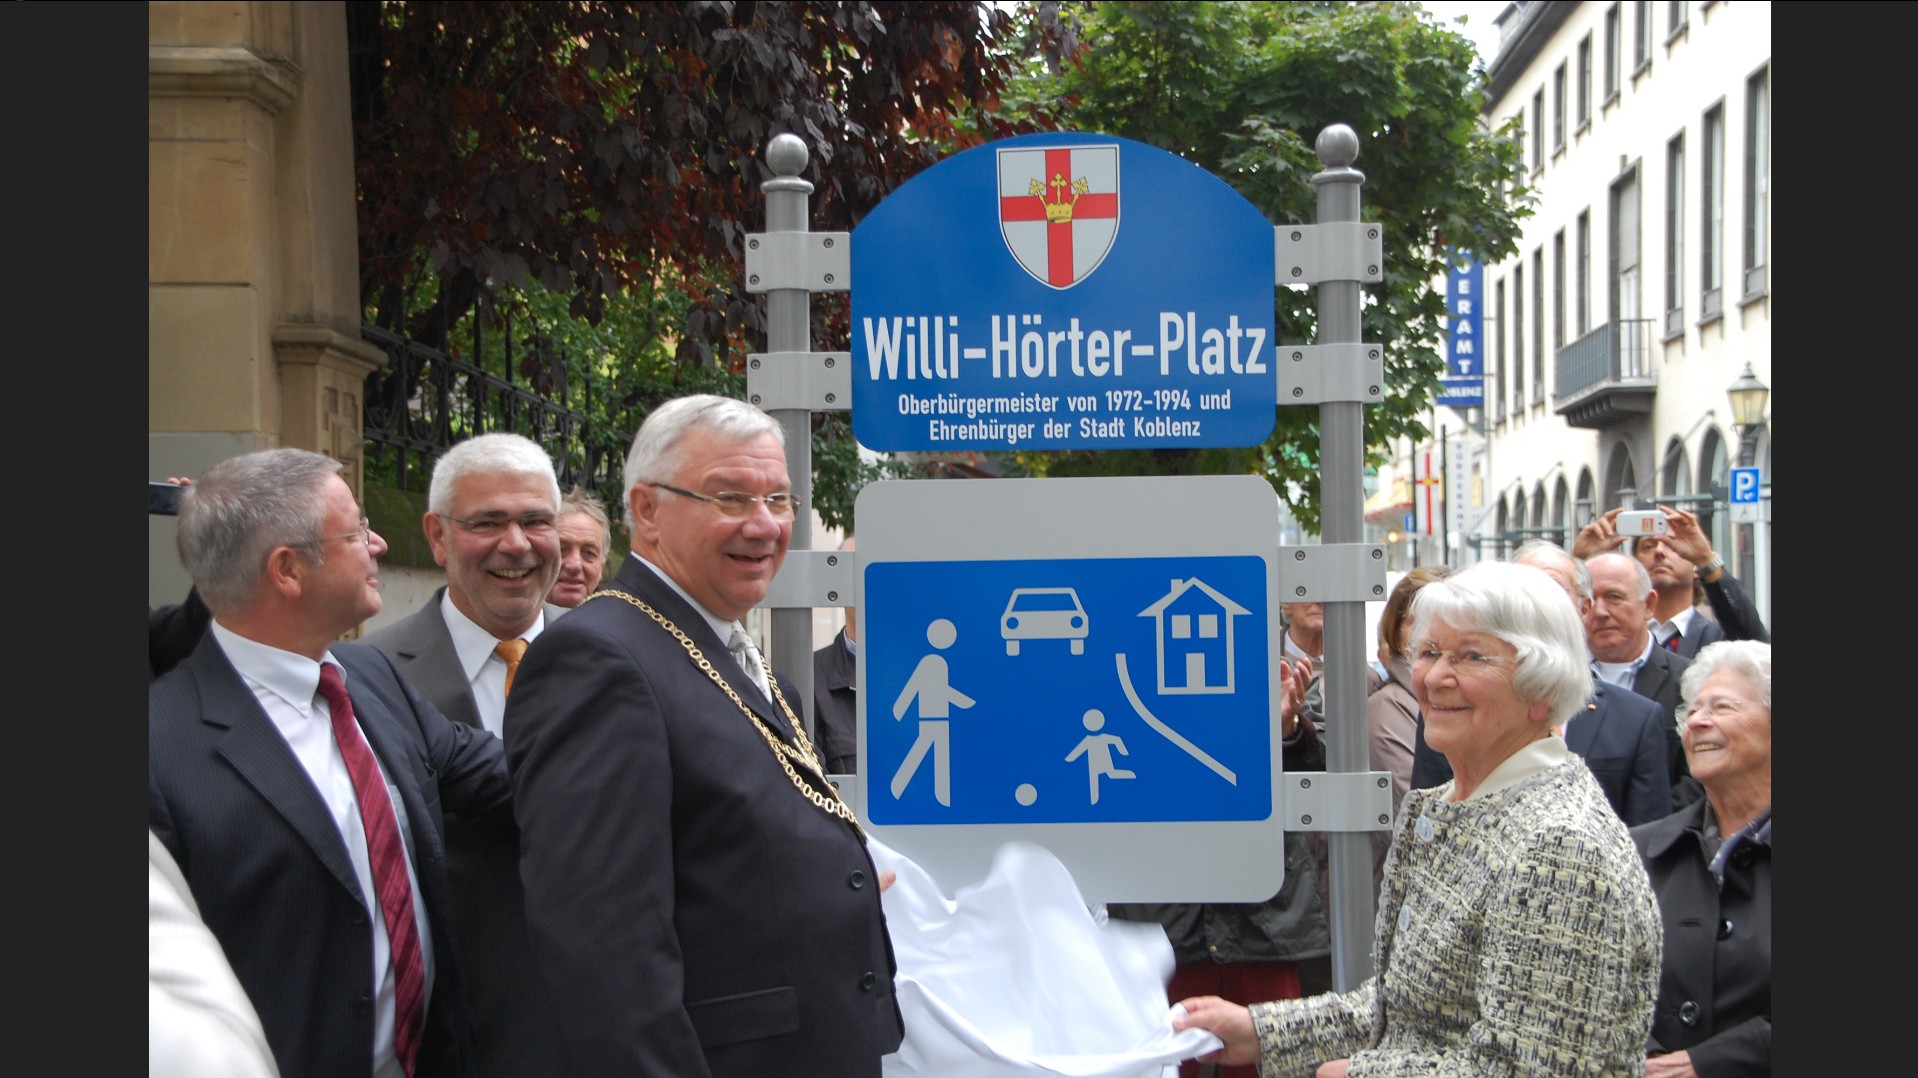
(1059, 209)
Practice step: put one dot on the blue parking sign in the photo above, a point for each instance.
(1746, 486)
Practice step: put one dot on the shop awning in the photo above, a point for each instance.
(1393, 501)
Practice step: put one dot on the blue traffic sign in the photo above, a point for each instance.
(1081, 663)
(1063, 291)
(1746, 486)
(1108, 690)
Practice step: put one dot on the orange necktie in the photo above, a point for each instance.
(510, 650)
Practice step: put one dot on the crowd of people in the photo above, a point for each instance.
(557, 824)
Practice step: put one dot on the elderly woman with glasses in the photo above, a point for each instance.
(1710, 866)
(1516, 931)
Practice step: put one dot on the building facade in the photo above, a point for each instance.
(1641, 290)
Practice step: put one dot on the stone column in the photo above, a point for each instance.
(253, 312)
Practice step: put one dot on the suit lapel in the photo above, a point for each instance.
(1581, 732)
(429, 660)
(1653, 675)
(253, 747)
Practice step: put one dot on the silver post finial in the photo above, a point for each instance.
(787, 154)
(1338, 146)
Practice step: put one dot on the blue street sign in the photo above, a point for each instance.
(1063, 291)
(1745, 486)
(1068, 691)
(1461, 392)
(1082, 663)
(1464, 281)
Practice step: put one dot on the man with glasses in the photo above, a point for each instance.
(492, 522)
(700, 900)
(299, 782)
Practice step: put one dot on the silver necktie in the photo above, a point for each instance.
(744, 653)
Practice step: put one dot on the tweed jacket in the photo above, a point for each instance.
(1516, 935)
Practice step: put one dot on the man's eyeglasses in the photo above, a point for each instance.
(1470, 660)
(494, 525)
(359, 533)
(732, 503)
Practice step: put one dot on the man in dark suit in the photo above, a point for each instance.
(1682, 565)
(700, 900)
(835, 695)
(1620, 734)
(261, 784)
(1618, 737)
(1618, 630)
(492, 521)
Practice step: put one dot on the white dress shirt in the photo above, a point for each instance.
(485, 670)
(288, 689)
(1623, 674)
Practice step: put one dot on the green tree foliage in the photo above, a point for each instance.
(1243, 90)
(596, 166)
(592, 146)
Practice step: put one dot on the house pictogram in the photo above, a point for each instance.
(1193, 634)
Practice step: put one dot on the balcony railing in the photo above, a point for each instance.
(1605, 377)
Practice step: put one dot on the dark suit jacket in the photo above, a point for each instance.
(1657, 681)
(1737, 618)
(835, 702)
(270, 871)
(173, 631)
(513, 1028)
(1714, 985)
(692, 913)
(1618, 735)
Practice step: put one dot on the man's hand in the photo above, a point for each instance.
(887, 878)
(1294, 677)
(1688, 540)
(1599, 536)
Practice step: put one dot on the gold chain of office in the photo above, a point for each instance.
(783, 752)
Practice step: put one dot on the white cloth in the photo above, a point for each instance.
(1014, 975)
(740, 643)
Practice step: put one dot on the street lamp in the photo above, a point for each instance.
(1748, 396)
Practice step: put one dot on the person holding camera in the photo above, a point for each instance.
(1680, 560)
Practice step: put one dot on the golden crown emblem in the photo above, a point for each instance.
(1059, 210)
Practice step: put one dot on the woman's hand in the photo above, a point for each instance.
(1225, 1020)
(1333, 1068)
(1670, 1065)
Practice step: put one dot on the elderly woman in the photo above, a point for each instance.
(1516, 931)
(1710, 866)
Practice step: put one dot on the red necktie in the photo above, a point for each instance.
(388, 855)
